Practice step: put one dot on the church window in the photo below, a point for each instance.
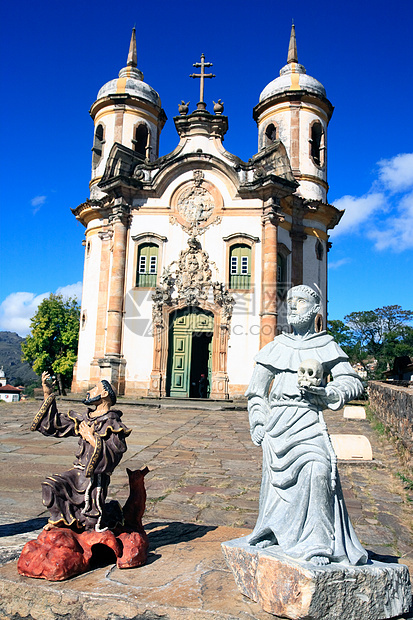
(281, 269)
(141, 139)
(319, 250)
(317, 143)
(234, 265)
(270, 134)
(147, 265)
(98, 145)
(240, 267)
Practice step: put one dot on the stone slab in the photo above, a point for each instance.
(300, 590)
(185, 578)
(352, 447)
(354, 413)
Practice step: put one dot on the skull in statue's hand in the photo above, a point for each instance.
(310, 373)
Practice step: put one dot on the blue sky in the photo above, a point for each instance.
(56, 56)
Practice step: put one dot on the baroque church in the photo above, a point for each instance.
(189, 255)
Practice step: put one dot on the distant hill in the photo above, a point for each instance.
(16, 371)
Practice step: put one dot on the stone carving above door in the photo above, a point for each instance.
(194, 203)
(189, 280)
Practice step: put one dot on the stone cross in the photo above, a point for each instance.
(201, 104)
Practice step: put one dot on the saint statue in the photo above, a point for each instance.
(76, 498)
(301, 505)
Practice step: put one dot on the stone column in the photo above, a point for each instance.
(219, 375)
(295, 136)
(113, 362)
(270, 220)
(106, 239)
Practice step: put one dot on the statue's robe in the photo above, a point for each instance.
(76, 498)
(301, 501)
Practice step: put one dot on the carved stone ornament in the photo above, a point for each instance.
(196, 204)
(189, 280)
(138, 173)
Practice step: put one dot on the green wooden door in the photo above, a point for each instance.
(181, 355)
(184, 324)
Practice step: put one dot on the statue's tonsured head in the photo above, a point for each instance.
(303, 305)
(94, 397)
(109, 389)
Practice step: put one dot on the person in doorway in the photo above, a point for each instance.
(203, 386)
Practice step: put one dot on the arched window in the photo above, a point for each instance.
(147, 267)
(319, 250)
(281, 269)
(98, 145)
(317, 143)
(141, 139)
(271, 134)
(283, 282)
(240, 267)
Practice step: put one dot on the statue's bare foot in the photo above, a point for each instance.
(264, 543)
(49, 526)
(320, 560)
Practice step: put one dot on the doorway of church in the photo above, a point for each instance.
(190, 353)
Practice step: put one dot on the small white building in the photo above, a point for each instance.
(188, 256)
(9, 393)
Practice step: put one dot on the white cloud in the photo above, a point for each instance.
(18, 308)
(336, 264)
(71, 290)
(396, 233)
(396, 174)
(389, 216)
(37, 202)
(357, 211)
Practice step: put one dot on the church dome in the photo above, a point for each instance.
(130, 80)
(293, 76)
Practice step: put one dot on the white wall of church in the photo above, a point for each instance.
(137, 336)
(89, 309)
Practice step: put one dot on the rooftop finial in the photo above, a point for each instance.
(132, 56)
(292, 48)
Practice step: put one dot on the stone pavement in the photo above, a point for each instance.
(202, 489)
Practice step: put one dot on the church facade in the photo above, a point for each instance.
(188, 256)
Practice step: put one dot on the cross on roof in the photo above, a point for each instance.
(201, 104)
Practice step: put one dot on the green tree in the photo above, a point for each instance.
(380, 334)
(54, 334)
(347, 340)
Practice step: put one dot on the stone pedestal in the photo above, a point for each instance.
(300, 590)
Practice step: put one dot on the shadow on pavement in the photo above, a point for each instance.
(21, 527)
(163, 533)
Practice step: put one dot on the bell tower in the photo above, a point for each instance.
(294, 109)
(127, 111)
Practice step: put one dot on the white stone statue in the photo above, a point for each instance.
(301, 502)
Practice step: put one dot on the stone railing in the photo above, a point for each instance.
(393, 405)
